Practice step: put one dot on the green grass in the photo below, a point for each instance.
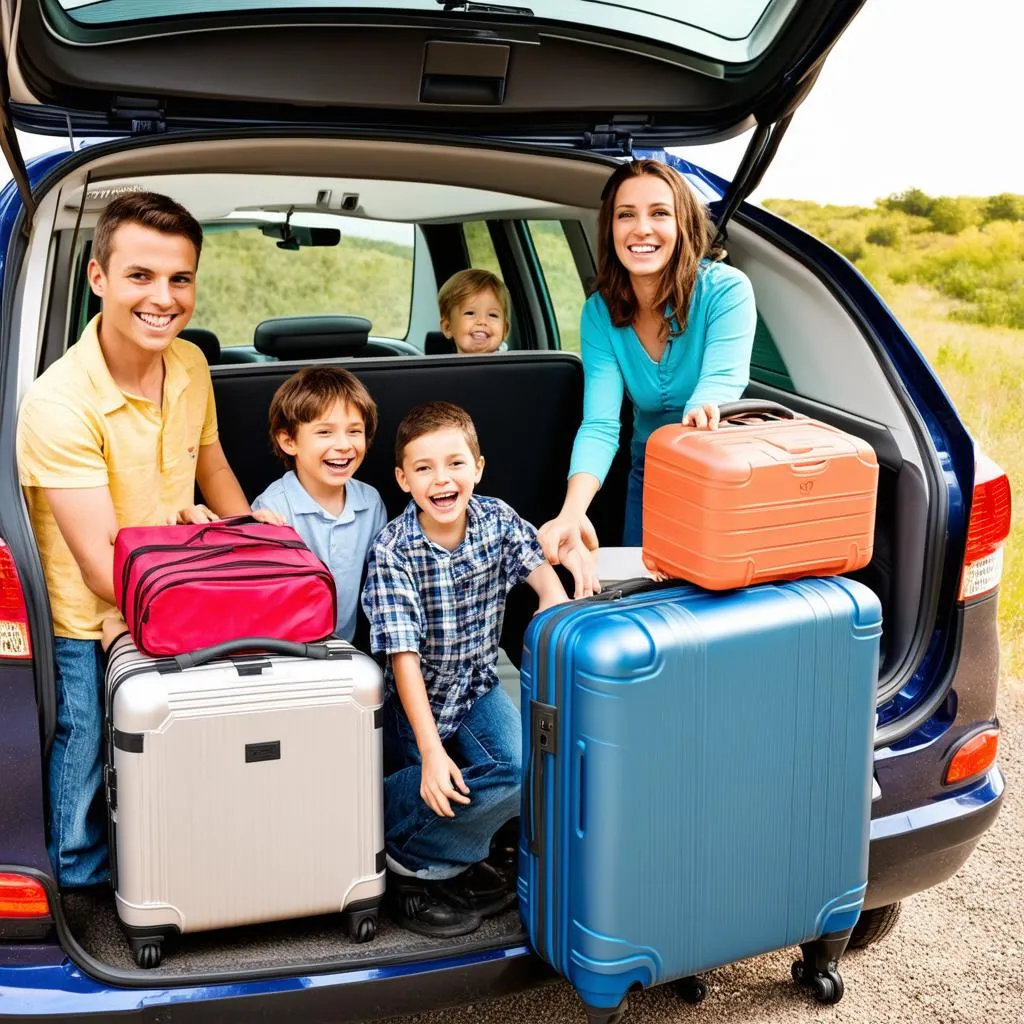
(961, 298)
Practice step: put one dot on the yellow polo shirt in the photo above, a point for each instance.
(76, 428)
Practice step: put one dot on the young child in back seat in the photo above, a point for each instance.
(475, 310)
(322, 421)
(435, 596)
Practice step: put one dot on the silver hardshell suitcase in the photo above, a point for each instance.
(243, 788)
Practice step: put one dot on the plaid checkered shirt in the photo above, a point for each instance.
(448, 605)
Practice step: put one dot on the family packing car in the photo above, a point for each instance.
(429, 137)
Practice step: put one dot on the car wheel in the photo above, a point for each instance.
(873, 925)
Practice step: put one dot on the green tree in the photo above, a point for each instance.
(1005, 206)
(912, 201)
(888, 233)
(951, 216)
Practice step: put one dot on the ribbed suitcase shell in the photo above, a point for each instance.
(245, 790)
(703, 792)
(759, 499)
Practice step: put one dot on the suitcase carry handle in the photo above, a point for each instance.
(207, 654)
(753, 407)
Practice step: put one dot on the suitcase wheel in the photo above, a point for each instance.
(691, 990)
(826, 986)
(361, 927)
(147, 954)
(598, 1015)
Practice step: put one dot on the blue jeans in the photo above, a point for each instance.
(633, 532)
(78, 817)
(488, 748)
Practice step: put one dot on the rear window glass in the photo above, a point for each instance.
(245, 277)
(736, 31)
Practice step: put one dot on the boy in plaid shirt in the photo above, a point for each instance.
(435, 597)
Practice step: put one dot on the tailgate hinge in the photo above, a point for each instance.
(144, 113)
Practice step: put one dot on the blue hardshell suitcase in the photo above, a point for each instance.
(697, 782)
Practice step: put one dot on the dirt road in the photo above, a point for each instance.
(955, 957)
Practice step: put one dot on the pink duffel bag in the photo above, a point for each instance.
(181, 588)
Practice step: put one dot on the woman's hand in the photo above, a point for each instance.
(704, 417)
(571, 541)
(437, 773)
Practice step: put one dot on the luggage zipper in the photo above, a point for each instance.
(155, 588)
(218, 549)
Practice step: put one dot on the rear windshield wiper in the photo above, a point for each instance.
(469, 7)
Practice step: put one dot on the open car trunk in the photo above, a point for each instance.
(810, 354)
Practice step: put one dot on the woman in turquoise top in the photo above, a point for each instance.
(656, 257)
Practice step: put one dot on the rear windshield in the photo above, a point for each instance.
(248, 277)
(734, 31)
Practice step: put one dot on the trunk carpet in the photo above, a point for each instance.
(93, 922)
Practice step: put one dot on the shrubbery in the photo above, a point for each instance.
(969, 250)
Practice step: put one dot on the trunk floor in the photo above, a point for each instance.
(92, 920)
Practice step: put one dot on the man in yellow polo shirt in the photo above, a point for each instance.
(117, 432)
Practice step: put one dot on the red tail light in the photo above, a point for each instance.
(21, 897)
(14, 638)
(988, 529)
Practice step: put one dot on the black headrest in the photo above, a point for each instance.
(205, 340)
(436, 344)
(312, 337)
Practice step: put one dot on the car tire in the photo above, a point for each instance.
(873, 925)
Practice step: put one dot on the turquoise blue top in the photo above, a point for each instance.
(708, 362)
(340, 542)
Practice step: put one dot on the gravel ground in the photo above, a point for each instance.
(956, 955)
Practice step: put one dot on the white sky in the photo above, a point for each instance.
(922, 93)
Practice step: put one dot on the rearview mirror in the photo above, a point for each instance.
(294, 237)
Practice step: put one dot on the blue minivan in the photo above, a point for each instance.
(438, 135)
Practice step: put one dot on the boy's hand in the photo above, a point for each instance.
(196, 514)
(268, 515)
(437, 774)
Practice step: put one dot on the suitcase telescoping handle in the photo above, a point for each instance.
(738, 411)
(263, 644)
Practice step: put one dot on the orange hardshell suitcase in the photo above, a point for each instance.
(770, 495)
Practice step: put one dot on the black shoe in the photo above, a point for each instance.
(481, 890)
(504, 855)
(421, 907)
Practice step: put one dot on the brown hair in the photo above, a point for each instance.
(431, 416)
(312, 392)
(467, 283)
(695, 240)
(151, 210)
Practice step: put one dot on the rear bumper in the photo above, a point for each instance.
(916, 849)
(62, 994)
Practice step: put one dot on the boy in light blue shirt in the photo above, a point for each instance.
(322, 420)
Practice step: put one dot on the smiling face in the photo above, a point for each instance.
(644, 228)
(148, 288)
(477, 324)
(328, 450)
(439, 471)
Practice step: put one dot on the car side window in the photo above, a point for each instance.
(561, 279)
(482, 254)
(766, 363)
